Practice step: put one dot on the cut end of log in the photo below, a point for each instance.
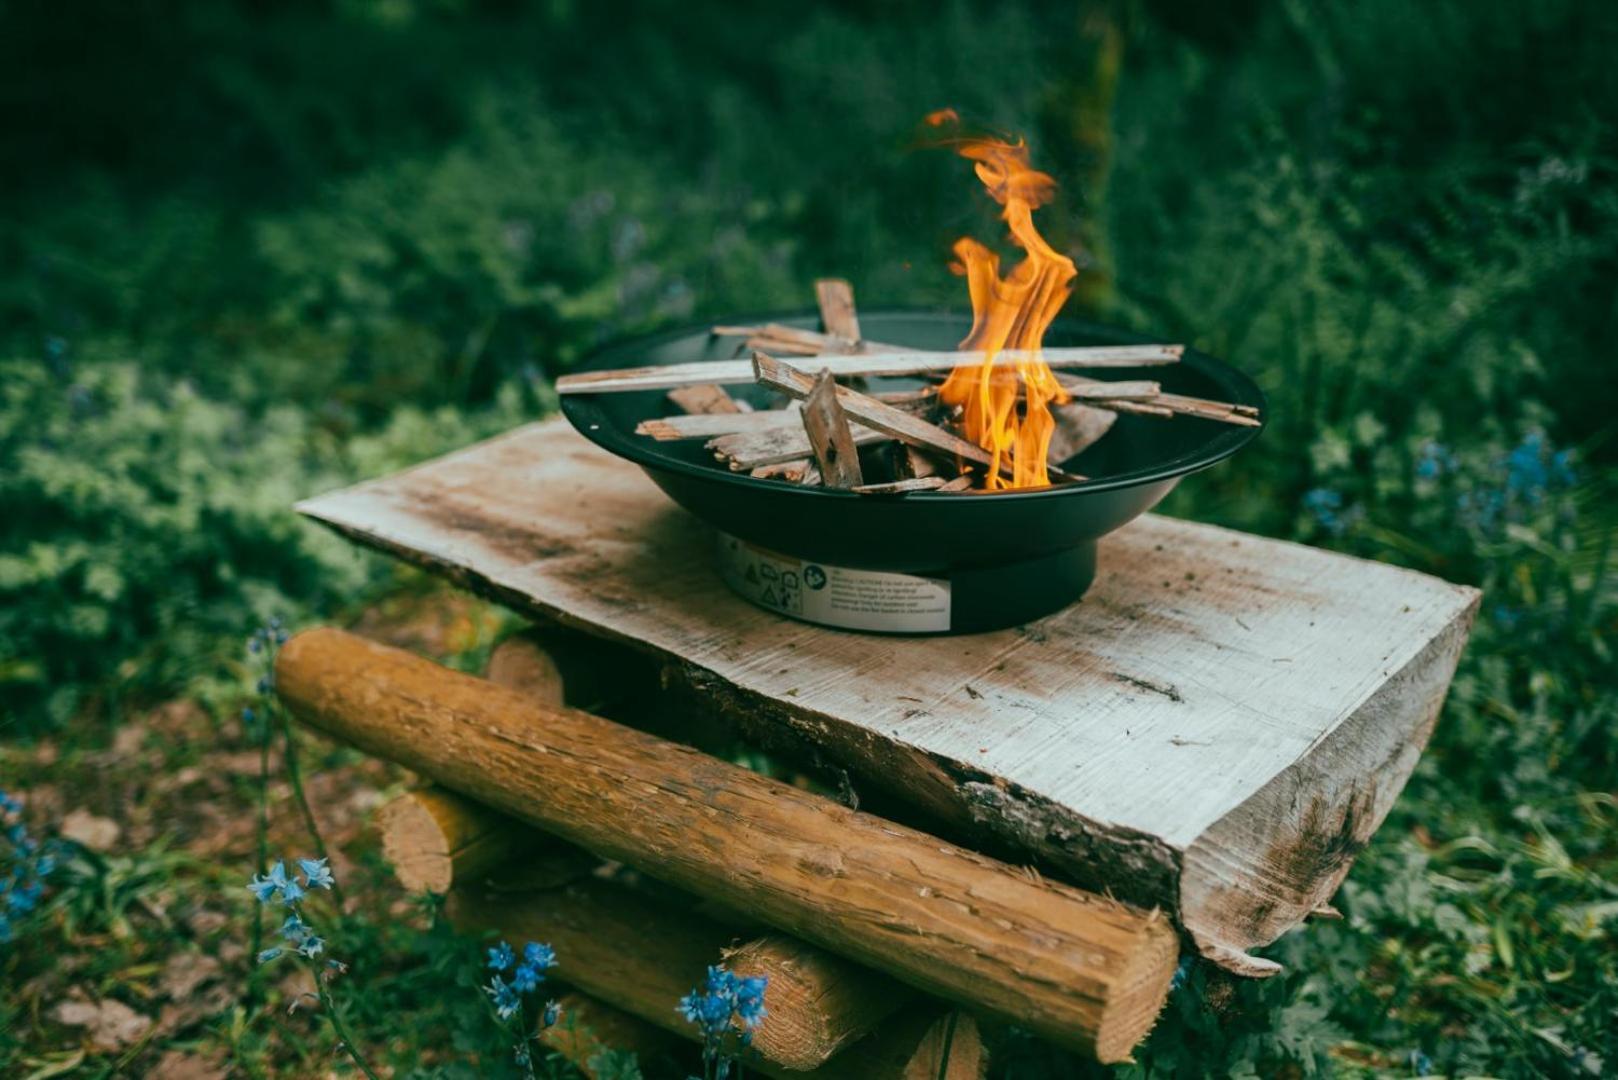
(818, 1002)
(415, 844)
(1140, 992)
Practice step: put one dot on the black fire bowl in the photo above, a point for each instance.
(925, 562)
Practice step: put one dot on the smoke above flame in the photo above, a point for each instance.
(1006, 406)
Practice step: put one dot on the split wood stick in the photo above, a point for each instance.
(589, 1026)
(748, 450)
(708, 426)
(836, 299)
(1137, 408)
(962, 482)
(912, 462)
(1122, 390)
(901, 487)
(874, 414)
(797, 340)
(799, 471)
(908, 1047)
(642, 954)
(896, 363)
(1075, 967)
(902, 399)
(704, 399)
(1078, 427)
(826, 425)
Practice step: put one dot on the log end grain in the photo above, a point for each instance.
(818, 1002)
(1139, 993)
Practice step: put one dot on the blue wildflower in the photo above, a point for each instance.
(725, 1003)
(316, 874)
(1433, 459)
(541, 957)
(525, 978)
(272, 953)
(505, 997)
(553, 1013)
(265, 887)
(1326, 506)
(1421, 1063)
(501, 958)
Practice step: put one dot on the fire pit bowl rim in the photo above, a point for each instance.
(585, 413)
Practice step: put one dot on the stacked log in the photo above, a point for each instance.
(1078, 968)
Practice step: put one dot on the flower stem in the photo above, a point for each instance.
(340, 1025)
(263, 829)
(295, 776)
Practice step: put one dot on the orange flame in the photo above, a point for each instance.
(1011, 312)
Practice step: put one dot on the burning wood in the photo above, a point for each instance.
(872, 413)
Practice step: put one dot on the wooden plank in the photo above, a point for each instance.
(1076, 967)
(1217, 728)
(731, 372)
(829, 436)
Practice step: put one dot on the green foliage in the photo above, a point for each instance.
(146, 524)
(361, 233)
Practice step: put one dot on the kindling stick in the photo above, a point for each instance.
(826, 424)
(1073, 966)
(843, 365)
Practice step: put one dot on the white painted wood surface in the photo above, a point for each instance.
(1217, 728)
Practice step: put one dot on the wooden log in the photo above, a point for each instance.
(819, 1004)
(911, 1046)
(731, 372)
(1217, 729)
(962, 482)
(746, 451)
(1072, 966)
(836, 299)
(433, 838)
(641, 955)
(826, 425)
(704, 399)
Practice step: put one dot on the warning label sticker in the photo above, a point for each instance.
(835, 595)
